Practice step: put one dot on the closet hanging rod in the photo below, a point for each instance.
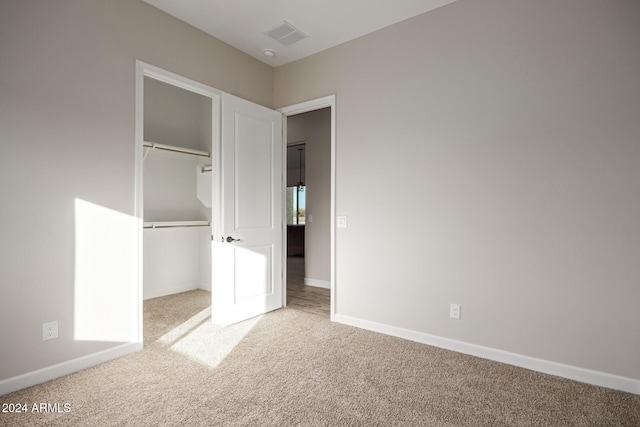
(207, 168)
(176, 149)
(175, 224)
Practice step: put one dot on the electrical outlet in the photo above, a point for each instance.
(454, 311)
(49, 330)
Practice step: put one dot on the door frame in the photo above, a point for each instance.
(305, 107)
(147, 70)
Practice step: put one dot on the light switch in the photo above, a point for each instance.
(310, 218)
(342, 221)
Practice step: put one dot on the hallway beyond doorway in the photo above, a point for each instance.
(301, 297)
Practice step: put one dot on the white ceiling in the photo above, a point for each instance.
(242, 23)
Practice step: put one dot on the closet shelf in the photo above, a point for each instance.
(176, 149)
(173, 224)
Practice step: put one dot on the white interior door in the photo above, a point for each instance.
(248, 230)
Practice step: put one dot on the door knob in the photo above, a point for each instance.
(231, 239)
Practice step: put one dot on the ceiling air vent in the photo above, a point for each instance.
(285, 33)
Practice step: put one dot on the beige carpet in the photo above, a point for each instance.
(294, 368)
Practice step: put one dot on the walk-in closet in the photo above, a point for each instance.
(176, 189)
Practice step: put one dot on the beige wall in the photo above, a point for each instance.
(488, 154)
(314, 128)
(67, 94)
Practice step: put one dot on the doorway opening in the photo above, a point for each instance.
(176, 125)
(310, 181)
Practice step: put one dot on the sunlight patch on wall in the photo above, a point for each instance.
(204, 342)
(105, 282)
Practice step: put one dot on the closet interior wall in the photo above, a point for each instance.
(177, 232)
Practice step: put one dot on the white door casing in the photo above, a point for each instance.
(248, 183)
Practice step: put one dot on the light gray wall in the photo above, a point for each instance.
(179, 117)
(315, 129)
(67, 124)
(176, 260)
(169, 183)
(488, 154)
(176, 116)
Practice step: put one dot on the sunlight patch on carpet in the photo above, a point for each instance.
(203, 342)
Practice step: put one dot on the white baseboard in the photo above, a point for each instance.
(325, 284)
(603, 379)
(55, 371)
(161, 292)
(205, 286)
